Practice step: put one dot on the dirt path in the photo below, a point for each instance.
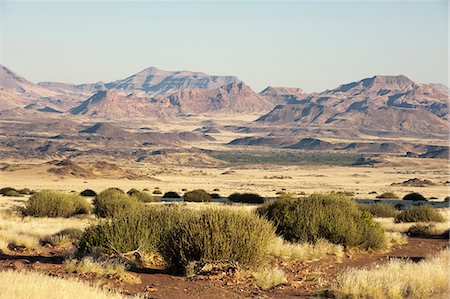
(157, 284)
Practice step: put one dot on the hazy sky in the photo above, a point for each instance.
(313, 45)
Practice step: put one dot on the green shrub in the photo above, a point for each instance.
(198, 195)
(171, 194)
(219, 235)
(388, 195)
(112, 202)
(132, 191)
(88, 193)
(144, 197)
(447, 199)
(138, 229)
(48, 203)
(157, 192)
(26, 191)
(3, 191)
(423, 213)
(246, 198)
(183, 235)
(414, 196)
(379, 209)
(13, 193)
(215, 196)
(333, 217)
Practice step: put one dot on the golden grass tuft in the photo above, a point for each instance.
(19, 285)
(101, 269)
(398, 279)
(28, 231)
(305, 252)
(267, 278)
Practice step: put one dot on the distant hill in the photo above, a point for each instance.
(377, 106)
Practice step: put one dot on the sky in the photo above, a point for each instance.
(314, 45)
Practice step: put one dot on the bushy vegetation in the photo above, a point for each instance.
(331, 217)
(13, 193)
(251, 198)
(132, 191)
(112, 202)
(157, 192)
(5, 190)
(171, 194)
(144, 197)
(197, 195)
(215, 196)
(420, 214)
(379, 209)
(182, 235)
(26, 191)
(414, 196)
(88, 193)
(48, 203)
(388, 195)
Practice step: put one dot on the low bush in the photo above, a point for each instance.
(447, 199)
(112, 202)
(88, 193)
(182, 235)
(332, 217)
(171, 194)
(132, 191)
(13, 193)
(420, 214)
(48, 203)
(26, 191)
(157, 192)
(251, 198)
(388, 195)
(144, 197)
(414, 196)
(215, 196)
(198, 195)
(379, 209)
(3, 191)
(219, 235)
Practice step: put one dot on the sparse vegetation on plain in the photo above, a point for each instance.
(267, 278)
(48, 203)
(419, 214)
(332, 217)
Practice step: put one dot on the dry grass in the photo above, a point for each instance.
(305, 251)
(269, 277)
(101, 269)
(389, 225)
(398, 279)
(28, 231)
(20, 285)
(396, 238)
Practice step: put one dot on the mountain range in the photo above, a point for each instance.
(380, 105)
